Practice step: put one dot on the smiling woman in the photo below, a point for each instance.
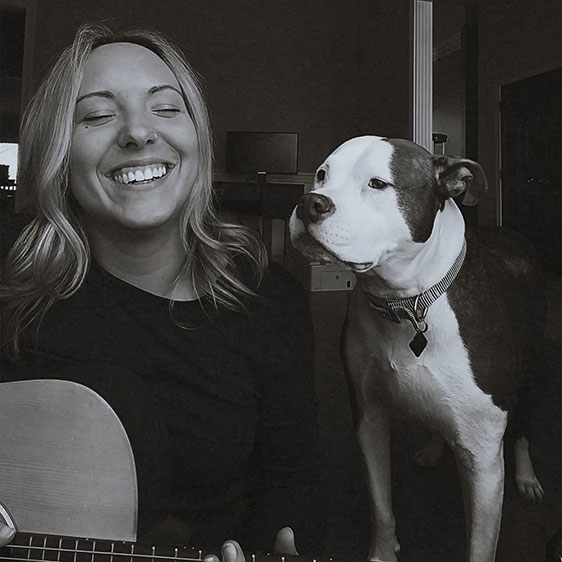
(125, 279)
(133, 142)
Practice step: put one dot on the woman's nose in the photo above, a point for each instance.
(136, 133)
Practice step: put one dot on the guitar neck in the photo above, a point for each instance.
(35, 548)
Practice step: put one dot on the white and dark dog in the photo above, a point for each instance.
(442, 325)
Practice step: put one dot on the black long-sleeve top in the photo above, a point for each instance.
(220, 407)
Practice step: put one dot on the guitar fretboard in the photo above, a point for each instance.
(33, 548)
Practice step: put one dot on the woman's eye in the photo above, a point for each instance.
(97, 118)
(376, 183)
(167, 111)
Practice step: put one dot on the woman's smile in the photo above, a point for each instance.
(140, 172)
(141, 175)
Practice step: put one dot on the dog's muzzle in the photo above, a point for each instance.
(314, 207)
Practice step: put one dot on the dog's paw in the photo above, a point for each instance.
(385, 553)
(527, 482)
(431, 452)
(530, 488)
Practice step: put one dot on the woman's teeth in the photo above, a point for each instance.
(139, 175)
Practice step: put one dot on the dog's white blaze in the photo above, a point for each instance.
(356, 161)
(438, 388)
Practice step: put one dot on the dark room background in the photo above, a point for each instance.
(331, 69)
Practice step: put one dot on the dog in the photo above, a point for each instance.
(443, 326)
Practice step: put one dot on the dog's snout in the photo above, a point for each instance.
(314, 207)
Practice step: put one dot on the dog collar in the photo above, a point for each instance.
(415, 308)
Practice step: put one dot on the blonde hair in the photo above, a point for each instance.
(51, 257)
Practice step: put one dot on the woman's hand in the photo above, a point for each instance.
(232, 552)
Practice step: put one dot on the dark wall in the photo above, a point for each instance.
(516, 40)
(329, 70)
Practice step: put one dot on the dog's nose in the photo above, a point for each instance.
(313, 207)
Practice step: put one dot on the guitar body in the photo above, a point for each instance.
(68, 487)
(66, 464)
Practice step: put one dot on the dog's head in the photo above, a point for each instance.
(373, 195)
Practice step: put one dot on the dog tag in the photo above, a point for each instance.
(417, 345)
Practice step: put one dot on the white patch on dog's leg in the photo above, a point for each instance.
(374, 439)
(527, 482)
(431, 451)
(482, 476)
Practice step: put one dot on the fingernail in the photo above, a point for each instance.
(229, 552)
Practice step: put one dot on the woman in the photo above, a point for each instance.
(127, 280)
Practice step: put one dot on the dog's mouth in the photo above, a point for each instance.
(360, 267)
(314, 249)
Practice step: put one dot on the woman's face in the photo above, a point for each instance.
(134, 148)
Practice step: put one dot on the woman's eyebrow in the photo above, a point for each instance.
(161, 87)
(101, 93)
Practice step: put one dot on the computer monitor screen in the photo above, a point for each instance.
(252, 152)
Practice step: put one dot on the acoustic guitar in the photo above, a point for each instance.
(68, 488)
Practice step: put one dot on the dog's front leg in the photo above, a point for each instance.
(482, 478)
(374, 439)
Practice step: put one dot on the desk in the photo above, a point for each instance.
(273, 203)
(268, 200)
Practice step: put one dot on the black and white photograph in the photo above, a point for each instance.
(280, 281)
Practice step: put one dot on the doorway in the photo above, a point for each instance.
(531, 162)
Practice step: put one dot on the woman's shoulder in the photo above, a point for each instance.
(278, 282)
(272, 282)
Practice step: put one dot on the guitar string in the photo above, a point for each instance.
(105, 555)
(112, 554)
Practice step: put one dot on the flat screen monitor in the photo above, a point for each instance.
(271, 153)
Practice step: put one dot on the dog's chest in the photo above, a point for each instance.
(437, 388)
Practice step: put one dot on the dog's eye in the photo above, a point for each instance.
(320, 175)
(376, 183)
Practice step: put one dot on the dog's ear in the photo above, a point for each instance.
(456, 175)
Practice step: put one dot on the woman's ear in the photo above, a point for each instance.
(456, 175)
